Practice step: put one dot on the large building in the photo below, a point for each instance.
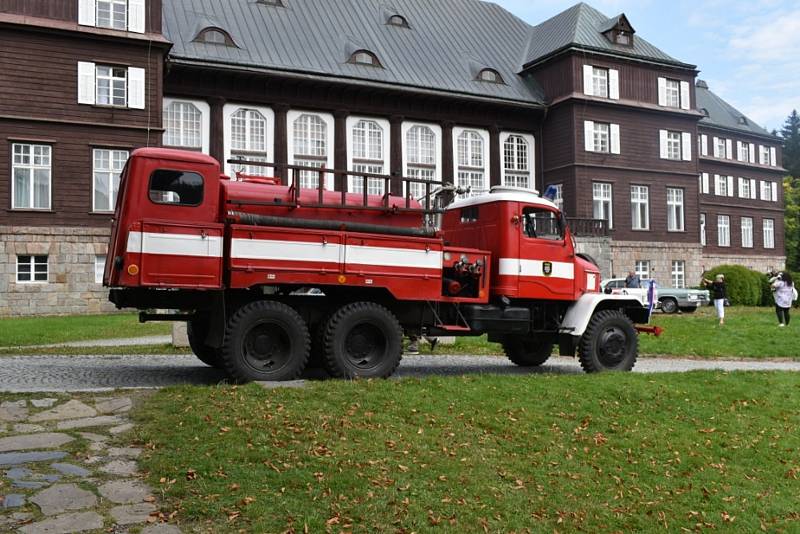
(671, 177)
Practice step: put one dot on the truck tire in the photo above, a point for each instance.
(610, 343)
(196, 330)
(316, 359)
(265, 341)
(363, 340)
(526, 352)
(669, 305)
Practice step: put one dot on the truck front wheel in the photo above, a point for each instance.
(265, 341)
(363, 340)
(610, 343)
(526, 351)
(196, 330)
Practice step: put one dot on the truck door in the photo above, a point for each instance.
(546, 266)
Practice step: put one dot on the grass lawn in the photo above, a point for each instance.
(16, 332)
(602, 453)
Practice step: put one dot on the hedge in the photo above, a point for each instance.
(745, 287)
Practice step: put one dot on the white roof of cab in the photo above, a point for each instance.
(503, 194)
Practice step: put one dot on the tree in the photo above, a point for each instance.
(791, 144)
(792, 218)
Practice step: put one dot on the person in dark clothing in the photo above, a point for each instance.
(719, 294)
(633, 281)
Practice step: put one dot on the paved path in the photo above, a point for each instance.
(98, 373)
(116, 342)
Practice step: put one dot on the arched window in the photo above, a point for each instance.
(214, 36)
(310, 147)
(183, 126)
(471, 169)
(368, 156)
(365, 57)
(421, 154)
(516, 161)
(249, 140)
(398, 20)
(490, 76)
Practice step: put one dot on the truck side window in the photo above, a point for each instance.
(541, 223)
(182, 188)
(469, 215)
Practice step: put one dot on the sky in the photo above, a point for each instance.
(747, 51)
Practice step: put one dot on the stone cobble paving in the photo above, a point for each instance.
(63, 470)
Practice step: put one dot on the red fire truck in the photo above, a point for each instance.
(269, 276)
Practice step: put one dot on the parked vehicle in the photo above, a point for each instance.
(231, 255)
(669, 299)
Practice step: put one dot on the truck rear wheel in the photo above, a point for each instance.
(526, 351)
(265, 341)
(196, 330)
(363, 340)
(610, 343)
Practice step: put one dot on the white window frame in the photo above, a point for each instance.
(250, 152)
(135, 14)
(32, 167)
(675, 209)
(609, 90)
(32, 264)
(675, 94)
(769, 233)
(413, 169)
(672, 93)
(369, 165)
(642, 269)
(516, 170)
(673, 145)
(99, 268)
(601, 135)
(116, 159)
(471, 169)
(640, 207)
(704, 183)
(747, 232)
(763, 155)
(603, 202)
(703, 240)
(111, 5)
(678, 274)
(205, 124)
(723, 230)
(325, 160)
(112, 81)
(744, 188)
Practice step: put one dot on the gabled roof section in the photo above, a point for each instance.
(620, 21)
(723, 115)
(310, 37)
(582, 27)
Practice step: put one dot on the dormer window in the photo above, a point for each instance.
(398, 20)
(490, 76)
(365, 57)
(743, 120)
(214, 36)
(624, 38)
(618, 30)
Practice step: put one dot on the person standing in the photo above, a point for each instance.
(784, 293)
(632, 281)
(719, 293)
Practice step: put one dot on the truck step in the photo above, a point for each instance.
(453, 328)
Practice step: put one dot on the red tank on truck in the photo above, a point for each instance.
(275, 273)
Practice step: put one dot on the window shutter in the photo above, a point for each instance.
(704, 144)
(728, 149)
(686, 146)
(751, 154)
(136, 16)
(662, 91)
(86, 81)
(741, 187)
(588, 134)
(614, 138)
(663, 143)
(685, 96)
(716, 184)
(705, 183)
(773, 160)
(136, 92)
(87, 14)
(716, 148)
(588, 86)
(730, 186)
(739, 151)
(613, 84)
(753, 190)
(774, 186)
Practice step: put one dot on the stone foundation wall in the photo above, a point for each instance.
(598, 248)
(761, 264)
(625, 254)
(71, 286)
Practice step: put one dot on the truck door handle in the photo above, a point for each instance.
(203, 234)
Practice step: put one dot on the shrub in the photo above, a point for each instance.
(745, 287)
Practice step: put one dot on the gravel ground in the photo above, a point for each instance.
(99, 373)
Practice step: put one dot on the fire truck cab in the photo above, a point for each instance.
(272, 276)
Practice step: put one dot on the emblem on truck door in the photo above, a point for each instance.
(547, 268)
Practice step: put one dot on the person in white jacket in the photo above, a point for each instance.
(784, 292)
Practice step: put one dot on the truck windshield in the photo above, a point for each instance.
(541, 223)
